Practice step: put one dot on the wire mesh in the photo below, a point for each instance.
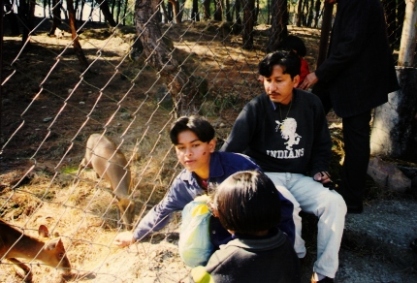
(52, 100)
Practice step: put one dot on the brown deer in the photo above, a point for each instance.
(109, 163)
(15, 244)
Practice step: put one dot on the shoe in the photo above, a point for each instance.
(324, 280)
(354, 208)
(413, 245)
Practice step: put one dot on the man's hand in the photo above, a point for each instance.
(124, 239)
(310, 80)
(323, 177)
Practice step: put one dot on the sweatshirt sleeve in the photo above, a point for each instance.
(242, 131)
(177, 197)
(321, 152)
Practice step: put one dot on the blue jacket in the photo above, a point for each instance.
(185, 188)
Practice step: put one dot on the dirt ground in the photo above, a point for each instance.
(50, 105)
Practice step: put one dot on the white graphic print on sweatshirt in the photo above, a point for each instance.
(288, 129)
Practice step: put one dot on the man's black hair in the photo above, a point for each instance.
(288, 60)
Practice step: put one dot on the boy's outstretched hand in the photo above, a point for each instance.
(124, 239)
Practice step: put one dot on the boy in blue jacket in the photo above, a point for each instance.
(194, 141)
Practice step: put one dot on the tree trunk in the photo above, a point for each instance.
(206, 5)
(395, 125)
(24, 15)
(248, 19)
(82, 9)
(113, 6)
(310, 13)
(195, 15)
(169, 12)
(76, 7)
(218, 13)
(229, 14)
(77, 46)
(125, 11)
(256, 15)
(181, 4)
(299, 13)
(104, 7)
(183, 87)
(317, 12)
(408, 37)
(12, 18)
(304, 9)
(56, 14)
(268, 16)
(119, 10)
(394, 131)
(174, 6)
(237, 28)
(279, 24)
(32, 6)
(45, 4)
(165, 12)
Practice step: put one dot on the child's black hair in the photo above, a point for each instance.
(293, 42)
(198, 125)
(247, 202)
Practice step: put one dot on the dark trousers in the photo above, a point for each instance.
(356, 136)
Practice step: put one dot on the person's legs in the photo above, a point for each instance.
(330, 208)
(321, 90)
(356, 136)
(278, 179)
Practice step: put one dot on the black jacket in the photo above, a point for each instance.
(359, 71)
(267, 260)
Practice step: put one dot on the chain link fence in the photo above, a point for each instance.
(70, 69)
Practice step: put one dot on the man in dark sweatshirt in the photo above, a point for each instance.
(285, 131)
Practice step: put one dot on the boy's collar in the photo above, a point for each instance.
(216, 168)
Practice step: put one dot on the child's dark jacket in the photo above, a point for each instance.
(267, 260)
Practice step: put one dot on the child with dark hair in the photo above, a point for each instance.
(248, 206)
(194, 141)
(296, 44)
